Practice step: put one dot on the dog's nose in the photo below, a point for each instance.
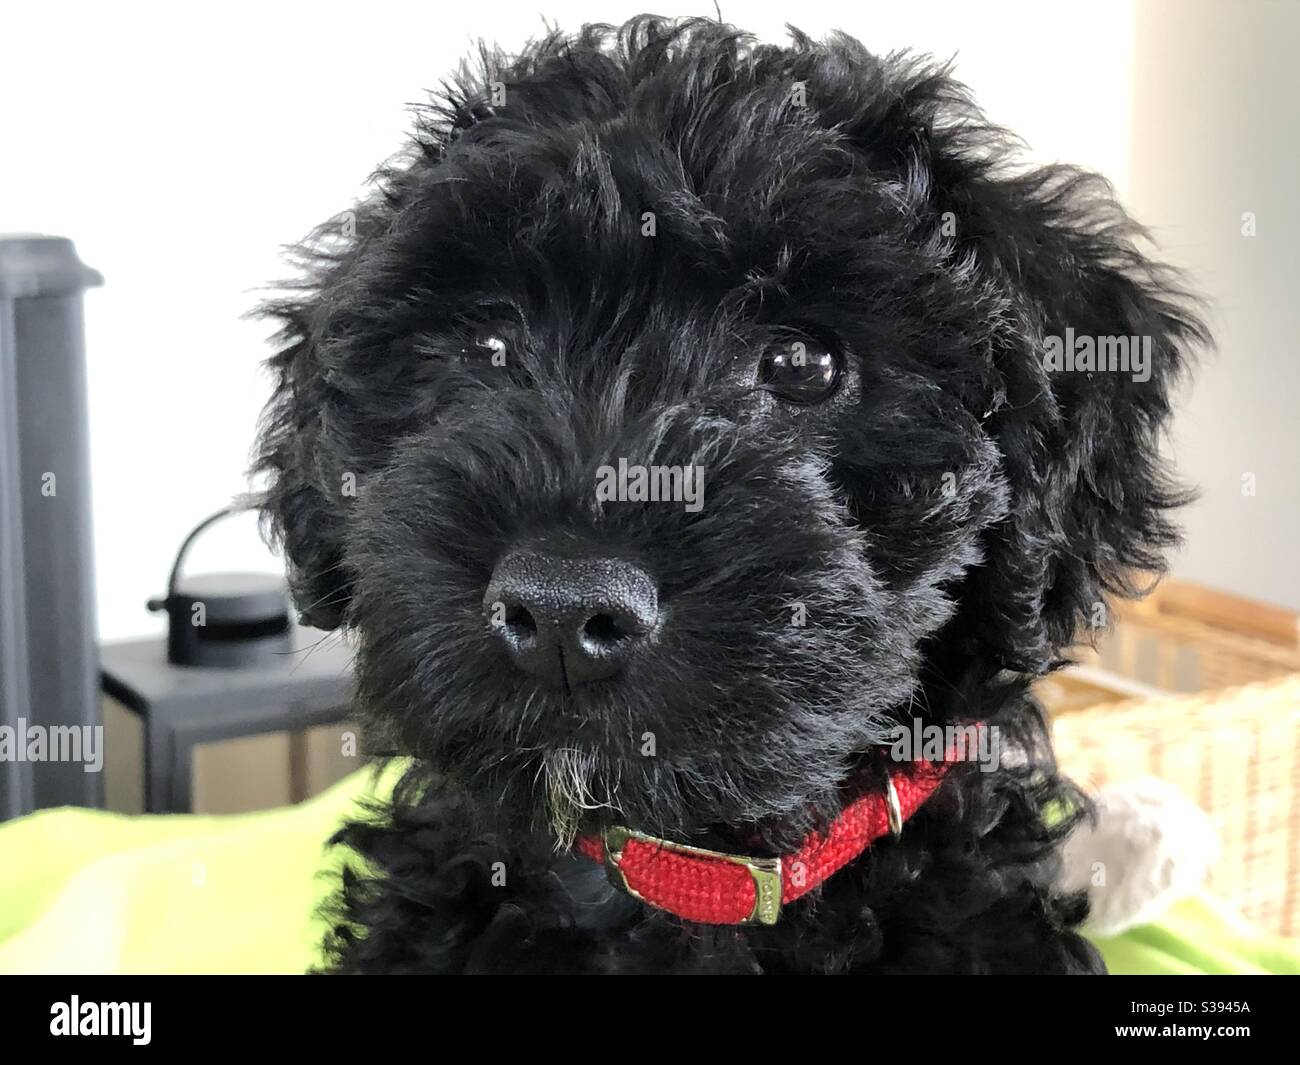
(570, 620)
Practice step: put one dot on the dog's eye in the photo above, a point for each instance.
(800, 371)
(489, 343)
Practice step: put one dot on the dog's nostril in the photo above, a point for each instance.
(520, 622)
(604, 630)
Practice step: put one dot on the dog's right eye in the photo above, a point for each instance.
(490, 343)
(800, 371)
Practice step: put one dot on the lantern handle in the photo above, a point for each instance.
(199, 529)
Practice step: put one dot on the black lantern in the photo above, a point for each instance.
(234, 665)
(223, 619)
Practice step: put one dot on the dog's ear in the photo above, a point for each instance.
(306, 448)
(1090, 494)
(302, 506)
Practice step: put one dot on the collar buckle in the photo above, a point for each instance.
(765, 872)
(893, 808)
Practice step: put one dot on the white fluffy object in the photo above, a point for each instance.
(1149, 848)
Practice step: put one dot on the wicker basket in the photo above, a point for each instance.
(1236, 753)
(1233, 747)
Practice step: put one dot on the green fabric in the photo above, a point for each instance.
(1199, 935)
(91, 892)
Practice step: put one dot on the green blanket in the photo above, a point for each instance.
(83, 891)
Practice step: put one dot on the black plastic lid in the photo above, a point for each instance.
(236, 598)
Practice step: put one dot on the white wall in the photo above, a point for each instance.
(181, 148)
(1216, 134)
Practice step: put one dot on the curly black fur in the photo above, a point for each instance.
(950, 520)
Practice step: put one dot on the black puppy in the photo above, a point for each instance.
(679, 419)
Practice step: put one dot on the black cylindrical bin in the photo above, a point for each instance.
(48, 661)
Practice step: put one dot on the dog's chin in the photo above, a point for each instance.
(575, 801)
(564, 793)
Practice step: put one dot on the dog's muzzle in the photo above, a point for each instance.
(569, 621)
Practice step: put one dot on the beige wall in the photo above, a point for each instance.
(1216, 133)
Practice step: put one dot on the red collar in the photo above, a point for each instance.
(711, 887)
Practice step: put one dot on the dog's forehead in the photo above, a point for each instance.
(717, 196)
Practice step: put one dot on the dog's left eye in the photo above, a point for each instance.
(800, 371)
